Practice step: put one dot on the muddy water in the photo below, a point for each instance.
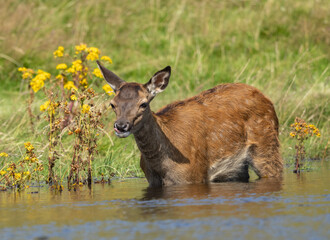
(293, 208)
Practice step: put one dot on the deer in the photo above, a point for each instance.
(215, 136)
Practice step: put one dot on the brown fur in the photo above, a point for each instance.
(214, 136)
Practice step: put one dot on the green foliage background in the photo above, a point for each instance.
(278, 46)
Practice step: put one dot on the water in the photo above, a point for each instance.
(293, 208)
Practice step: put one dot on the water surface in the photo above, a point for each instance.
(296, 207)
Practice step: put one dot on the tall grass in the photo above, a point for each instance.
(280, 47)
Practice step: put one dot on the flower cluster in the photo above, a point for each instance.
(27, 73)
(93, 53)
(108, 89)
(3, 154)
(70, 85)
(70, 105)
(97, 73)
(17, 174)
(301, 130)
(49, 106)
(85, 108)
(59, 52)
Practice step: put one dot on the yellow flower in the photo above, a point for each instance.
(59, 52)
(61, 66)
(27, 72)
(73, 97)
(80, 48)
(93, 53)
(44, 106)
(27, 75)
(71, 70)
(108, 89)
(36, 84)
(70, 85)
(292, 134)
(97, 72)
(76, 67)
(61, 77)
(38, 81)
(18, 176)
(106, 58)
(85, 108)
(28, 146)
(84, 82)
(3, 154)
(2, 172)
(26, 173)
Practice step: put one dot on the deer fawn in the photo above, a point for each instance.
(214, 136)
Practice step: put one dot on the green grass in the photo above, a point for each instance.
(280, 47)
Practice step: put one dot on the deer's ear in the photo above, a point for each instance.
(159, 81)
(113, 80)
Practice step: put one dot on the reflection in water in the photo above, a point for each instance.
(295, 206)
(225, 190)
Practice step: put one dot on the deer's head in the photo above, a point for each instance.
(131, 102)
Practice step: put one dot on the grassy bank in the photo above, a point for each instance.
(280, 47)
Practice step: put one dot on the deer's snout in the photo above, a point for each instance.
(121, 126)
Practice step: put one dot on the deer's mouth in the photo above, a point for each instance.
(122, 134)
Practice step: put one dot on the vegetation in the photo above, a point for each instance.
(280, 47)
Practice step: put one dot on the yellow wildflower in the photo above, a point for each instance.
(38, 81)
(44, 106)
(59, 52)
(93, 53)
(36, 84)
(2, 172)
(292, 134)
(28, 146)
(108, 89)
(3, 154)
(18, 176)
(85, 108)
(76, 67)
(27, 173)
(44, 75)
(61, 66)
(71, 70)
(61, 77)
(106, 58)
(70, 85)
(27, 72)
(73, 97)
(27, 158)
(84, 82)
(80, 48)
(10, 169)
(97, 72)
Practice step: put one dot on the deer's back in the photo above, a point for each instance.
(218, 122)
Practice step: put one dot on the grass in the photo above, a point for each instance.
(280, 47)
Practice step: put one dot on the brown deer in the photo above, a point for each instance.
(214, 136)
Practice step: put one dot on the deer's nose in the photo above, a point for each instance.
(121, 126)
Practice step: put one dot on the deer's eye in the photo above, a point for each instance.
(112, 106)
(143, 105)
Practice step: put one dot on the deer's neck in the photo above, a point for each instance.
(151, 140)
